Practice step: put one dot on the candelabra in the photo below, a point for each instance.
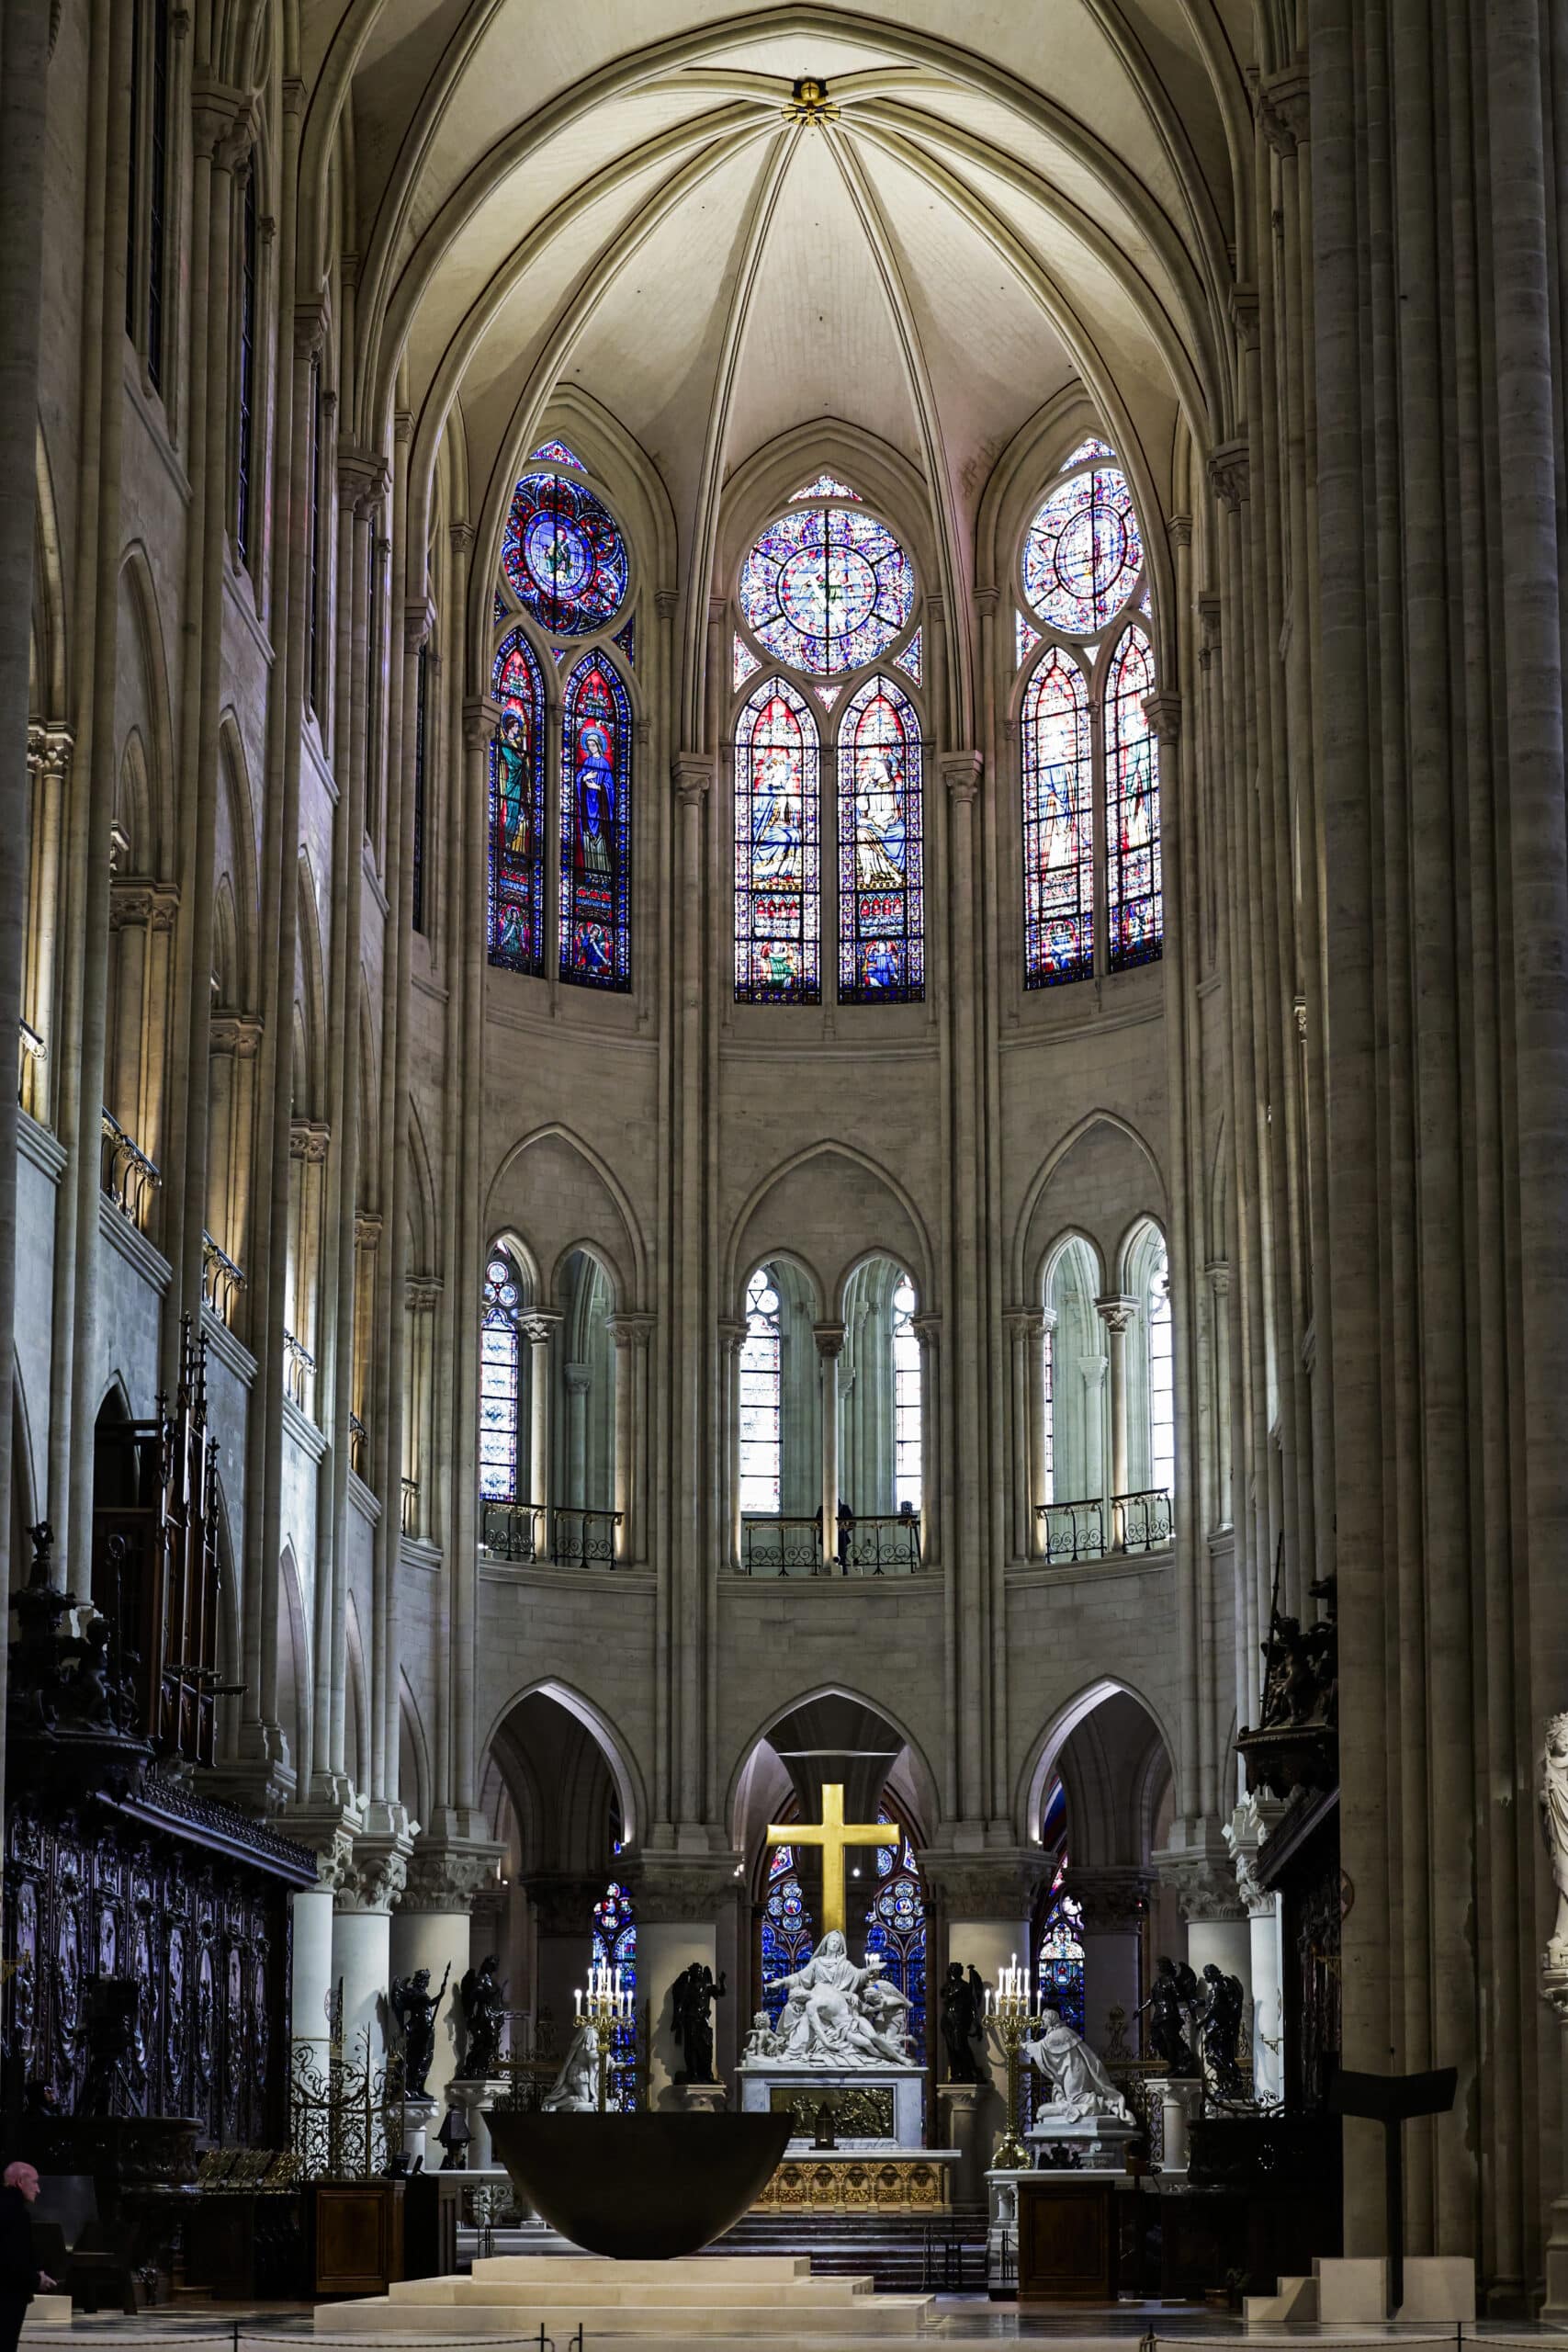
(604, 2003)
(1008, 2012)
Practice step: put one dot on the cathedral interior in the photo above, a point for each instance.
(784, 876)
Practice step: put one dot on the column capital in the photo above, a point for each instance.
(1025, 1322)
(1230, 472)
(447, 1874)
(402, 426)
(830, 1339)
(1113, 1897)
(239, 1034)
(222, 122)
(377, 1875)
(987, 1887)
(578, 1378)
(330, 1834)
(670, 1894)
(310, 1139)
(732, 1334)
(665, 601)
(1116, 1311)
(363, 477)
(960, 771)
(630, 1329)
(460, 537)
(563, 1904)
(539, 1323)
(690, 773)
(1163, 711)
(1219, 1274)
(1284, 107)
(419, 620)
(421, 1293)
(1243, 306)
(1197, 1864)
(1250, 1824)
(1179, 528)
(985, 601)
(927, 1330)
(310, 329)
(481, 717)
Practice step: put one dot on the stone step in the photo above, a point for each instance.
(506, 2269)
(856, 2320)
(734, 2294)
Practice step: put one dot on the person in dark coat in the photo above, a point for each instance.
(20, 2278)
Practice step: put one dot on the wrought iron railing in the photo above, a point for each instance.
(298, 1370)
(1077, 1531)
(566, 1537)
(358, 1443)
(129, 1178)
(881, 1544)
(221, 1279)
(410, 1506)
(30, 1048)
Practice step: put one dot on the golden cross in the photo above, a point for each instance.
(834, 1835)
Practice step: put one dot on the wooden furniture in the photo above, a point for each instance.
(432, 2210)
(357, 2236)
(246, 2245)
(1067, 2239)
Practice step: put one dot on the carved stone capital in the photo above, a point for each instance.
(451, 1876)
(631, 1330)
(310, 329)
(691, 776)
(830, 1339)
(421, 1293)
(927, 1330)
(1197, 1864)
(1244, 315)
(49, 749)
(1208, 616)
(1219, 1274)
(731, 1334)
(402, 427)
(366, 1230)
(419, 622)
(985, 601)
(1230, 472)
(1024, 1322)
(960, 771)
(670, 1894)
(1116, 1312)
(460, 536)
(664, 602)
(1284, 105)
(376, 1876)
(481, 717)
(1163, 711)
(239, 1034)
(221, 121)
(1179, 528)
(1113, 1899)
(1244, 1834)
(363, 479)
(985, 1887)
(563, 1906)
(539, 1323)
(308, 1139)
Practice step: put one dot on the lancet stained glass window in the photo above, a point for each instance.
(1060, 1972)
(615, 1946)
(595, 826)
(1058, 825)
(896, 1927)
(499, 1370)
(1083, 553)
(777, 851)
(517, 811)
(786, 1929)
(881, 898)
(563, 555)
(1131, 808)
(906, 1399)
(1162, 1378)
(761, 1401)
(827, 589)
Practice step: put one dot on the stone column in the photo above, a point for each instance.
(362, 1939)
(927, 1330)
(1117, 1315)
(1024, 1327)
(312, 1979)
(1197, 1864)
(1245, 1833)
(1115, 1906)
(830, 1338)
(677, 1908)
(431, 1929)
(983, 1907)
(537, 1327)
(631, 1334)
(732, 1339)
(577, 1379)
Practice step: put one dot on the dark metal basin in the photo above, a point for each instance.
(641, 2188)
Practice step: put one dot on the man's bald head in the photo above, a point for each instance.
(22, 2176)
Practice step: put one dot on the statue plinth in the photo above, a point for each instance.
(1100, 2142)
(773, 2085)
(696, 2098)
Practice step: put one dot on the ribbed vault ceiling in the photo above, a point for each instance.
(1011, 197)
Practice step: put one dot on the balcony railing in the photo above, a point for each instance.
(30, 1048)
(128, 1177)
(411, 1507)
(298, 1370)
(880, 1544)
(221, 1279)
(1077, 1531)
(358, 1444)
(574, 1538)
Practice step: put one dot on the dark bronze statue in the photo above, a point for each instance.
(483, 2003)
(1171, 1999)
(1219, 2029)
(962, 2001)
(414, 2005)
(692, 1997)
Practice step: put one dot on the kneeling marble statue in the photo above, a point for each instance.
(575, 2090)
(1079, 2084)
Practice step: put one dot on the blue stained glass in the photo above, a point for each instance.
(1133, 880)
(595, 828)
(1083, 552)
(501, 606)
(827, 589)
(563, 555)
(896, 1927)
(556, 453)
(825, 486)
(1058, 828)
(910, 658)
(517, 811)
(615, 1946)
(777, 855)
(627, 639)
(499, 1366)
(786, 1938)
(1085, 451)
(1060, 1971)
(881, 894)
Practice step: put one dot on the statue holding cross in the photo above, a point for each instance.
(835, 1836)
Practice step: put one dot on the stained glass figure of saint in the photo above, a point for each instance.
(563, 555)
(517, 811)
(1133, 880)
(1058, 830)
(595, 877)
(881, 898)
(777, 876)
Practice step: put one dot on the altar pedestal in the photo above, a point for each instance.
(1180, 2098)
(965, 2111)
(1100, 2142)
(879, 2107)
(475, 2095)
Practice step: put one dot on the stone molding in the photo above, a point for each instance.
(563, 1904)
(960, 771)
(135, 898)
(239, 1034)
(1244, 1834)
(1117, 1312)
(1115, 1897)
(308, 1139)
(1230, 472)
(451, 1876)
(691, 776)
(675, 1893)
(830, 1339)
(1197, 1864)
(1284, 105)
(377, 1875)
(1163, 711)
(1029, 1320)
(631, 1330)
(481, 717)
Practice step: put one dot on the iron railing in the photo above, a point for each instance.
(1137, 1523)
(411, 1507)
(566, 1537)
(298, 1370)
(30, 1048)
(221, 1279)
(880, 1544)
(129, 1178)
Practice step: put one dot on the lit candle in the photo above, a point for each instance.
(577, 1998)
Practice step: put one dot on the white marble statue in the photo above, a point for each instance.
(575, 2090)
(1554, 1827)
(839, 2014)
(762, 2041)
(1079, 2084)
